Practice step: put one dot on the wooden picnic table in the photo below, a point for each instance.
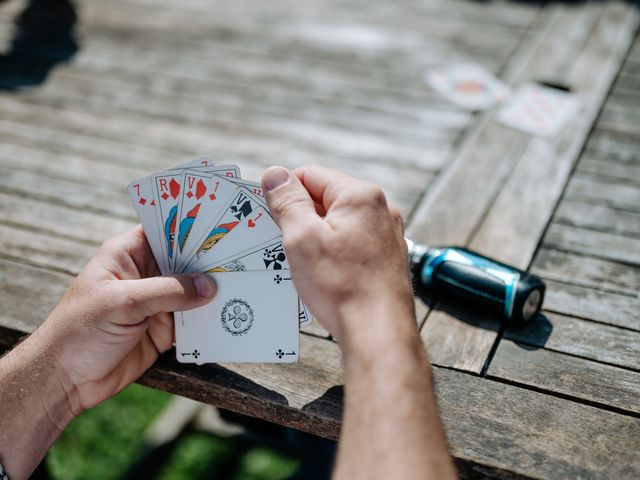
(339, 83)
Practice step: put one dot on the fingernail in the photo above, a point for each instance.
(205, 286)
(274, 177)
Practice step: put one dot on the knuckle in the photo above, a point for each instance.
(396, 216)
(298, 239)
(284, 204)
(124, 299)
(369, 194)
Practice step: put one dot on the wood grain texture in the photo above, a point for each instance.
(577, 213)
(609, 246)
(567, 375)
(580, 269)
(498, 199)
(605, 306)
(582, 338)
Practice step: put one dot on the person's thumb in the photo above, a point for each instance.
(148, 296)
(289, 202)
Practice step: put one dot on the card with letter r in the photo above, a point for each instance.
(253, 318)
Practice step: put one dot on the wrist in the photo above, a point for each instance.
(62, 401)
(36, 402)
(388, 327)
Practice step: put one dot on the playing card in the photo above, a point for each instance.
(251, 319)
(468, 86)
(304, 317)
(253, 187)
(538, 110)
(201, 218)
(141, 193)
(244, 212)
(267, 256)
(203, 194)
(167, 187)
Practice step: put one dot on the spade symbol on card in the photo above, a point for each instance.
(243, 210)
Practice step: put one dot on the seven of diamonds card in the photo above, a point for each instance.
(201, 218)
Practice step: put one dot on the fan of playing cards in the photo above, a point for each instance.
(203, 218)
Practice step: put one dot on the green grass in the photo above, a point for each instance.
(103, 443)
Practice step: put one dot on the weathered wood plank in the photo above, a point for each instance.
(27, 295)
(605, 306)
(506, 221)
(61, 221)
(76, 129)
(580, 269)
(601, 191)
(607, 145)
(609, 246)
(513, 226)
(459, 334)
(582, 338)
(574, 377)
(609, 169)
(98, 197)
(43, 249)
(597, 217)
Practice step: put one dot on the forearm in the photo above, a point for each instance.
(391, 427)
(35, 405)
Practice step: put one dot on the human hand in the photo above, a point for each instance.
(345, 247)
(114, 320)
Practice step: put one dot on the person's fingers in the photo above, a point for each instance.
(130, 251)
(145, 297)
(289, 202)
(325, 186)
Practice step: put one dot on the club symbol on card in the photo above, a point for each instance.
(280, 353)
(278, 279)
(195, 354)
(237, 317)
(274, 258)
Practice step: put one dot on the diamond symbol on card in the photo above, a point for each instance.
(212, 196)
(164, 196)
(174, 188)
(201, 189)
(142, 201)
(189, 194)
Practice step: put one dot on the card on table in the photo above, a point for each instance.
(468, 86)
(205, 219)
(539, 110)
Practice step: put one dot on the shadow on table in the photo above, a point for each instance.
(532, 335)
(44, 36)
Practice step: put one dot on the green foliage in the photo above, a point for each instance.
(103, 443)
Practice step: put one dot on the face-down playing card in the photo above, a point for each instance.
(251, 319)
